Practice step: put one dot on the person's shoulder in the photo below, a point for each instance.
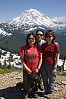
(56, 45)
(57, 48)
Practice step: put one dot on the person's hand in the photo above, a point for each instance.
(36, 71)
(29, 72)
(54, 70)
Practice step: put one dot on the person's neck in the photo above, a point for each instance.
(49, 43)
(31, 45)
(38, 42)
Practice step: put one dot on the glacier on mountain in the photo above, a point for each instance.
(32, 19)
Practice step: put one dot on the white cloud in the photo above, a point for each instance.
(56, 19)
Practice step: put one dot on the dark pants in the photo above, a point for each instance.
(28, 82)
(41, 79)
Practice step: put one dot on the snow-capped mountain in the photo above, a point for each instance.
(13, 33)
(32, 17)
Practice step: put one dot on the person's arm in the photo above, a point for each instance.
(57, 59)
(25, 66)
(39, 65)
(56, 63)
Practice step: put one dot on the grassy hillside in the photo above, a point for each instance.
(13, 43)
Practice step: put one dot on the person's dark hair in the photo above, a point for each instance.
(29, 36)
(40, 30)
(51, 32)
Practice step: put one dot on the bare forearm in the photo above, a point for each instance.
(57, 59)
(40, 62)
(39, 65)
(25, 66)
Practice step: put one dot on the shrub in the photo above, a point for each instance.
(62, 73)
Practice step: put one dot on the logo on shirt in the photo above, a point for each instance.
(31, 57)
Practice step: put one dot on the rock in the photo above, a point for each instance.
(57, 89)
(64, 82)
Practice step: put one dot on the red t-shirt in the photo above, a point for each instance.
(31, 56)
(49, 51)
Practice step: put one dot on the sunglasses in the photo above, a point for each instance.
(31, 38)
(39, 34)
(49, 36)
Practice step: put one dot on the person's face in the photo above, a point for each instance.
(39, 35)
(49, 38)
(31, 40)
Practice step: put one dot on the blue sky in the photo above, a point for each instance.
(10, 9)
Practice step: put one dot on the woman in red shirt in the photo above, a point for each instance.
(31, 57)
(50, 60)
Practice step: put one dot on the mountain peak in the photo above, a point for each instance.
(31, 17)
(31, 10)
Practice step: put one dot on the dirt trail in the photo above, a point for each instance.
(10, 90)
